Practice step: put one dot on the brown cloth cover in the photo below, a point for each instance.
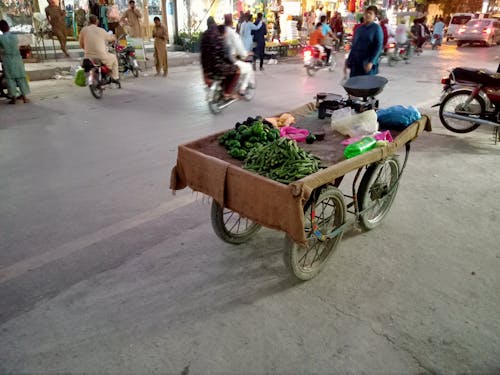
(204, 166)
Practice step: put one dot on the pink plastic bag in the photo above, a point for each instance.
(380, 136)
(296, 134)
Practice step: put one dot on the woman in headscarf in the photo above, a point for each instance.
(13, 64)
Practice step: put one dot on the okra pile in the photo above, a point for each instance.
(282, 161)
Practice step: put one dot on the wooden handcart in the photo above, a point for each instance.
(313, 211)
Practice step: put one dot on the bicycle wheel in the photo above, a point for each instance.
(377, 191)
(230, 226)
(305, 262)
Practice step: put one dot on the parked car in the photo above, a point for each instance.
(456, 22)
(485, 31)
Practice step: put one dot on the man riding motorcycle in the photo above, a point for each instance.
(94, 41)
(316, 39)
(213, 59)
(327, 31)
(237, 53)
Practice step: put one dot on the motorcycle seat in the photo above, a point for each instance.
(482, 76)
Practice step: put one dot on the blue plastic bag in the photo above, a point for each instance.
(397, 117)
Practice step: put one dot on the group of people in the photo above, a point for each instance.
(224, 51)
(367, 43)
(108, 16)
(92, 39)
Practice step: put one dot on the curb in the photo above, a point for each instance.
(46, 73)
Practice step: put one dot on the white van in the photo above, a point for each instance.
(456, 22)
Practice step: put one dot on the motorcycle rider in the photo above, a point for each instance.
(327, 31)
(317, 37)
(94, 41)
(401, 38)
(237, 53)
(438, 32)
(213, 61)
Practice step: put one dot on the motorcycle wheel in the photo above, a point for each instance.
(133, 68)
(214, 102)
(311, 71)
(333, 63)
(392, 61)
(96, 90)
(250, 92)
(454, 103)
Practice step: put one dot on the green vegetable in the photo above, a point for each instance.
(257, 128)
(310, 138)
(246, 133)
(233, 144)
(238, 153)
(231, 134)
(281, 160)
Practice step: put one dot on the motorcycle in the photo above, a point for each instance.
(436, 41)
(98, 76)
(126, 58)
(397, 52)
(3, 84)
(315, 60)
(215, 93)
(471, 97)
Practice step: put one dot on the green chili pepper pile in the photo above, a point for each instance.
(282, 161)
(244, 138)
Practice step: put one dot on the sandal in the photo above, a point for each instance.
(12, 101)
(26, 100)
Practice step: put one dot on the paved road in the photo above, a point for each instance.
(103, 271)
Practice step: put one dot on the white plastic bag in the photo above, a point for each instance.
(356, 125)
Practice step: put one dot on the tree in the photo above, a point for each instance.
(454, 6)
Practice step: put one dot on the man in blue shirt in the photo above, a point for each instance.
(438, 32)
(366, 46)
(327, 31)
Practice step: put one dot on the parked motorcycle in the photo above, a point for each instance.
(98, 76)
(126, 58)
(3, 84)
(315, 60)
(471, 97)
(215, 93)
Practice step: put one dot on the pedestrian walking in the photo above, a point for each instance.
(160, 36)
(103, 14)
(337, 27)
(319, 13)
(13, 64)
(132, 18)
(55, 16)
(81, 19)
(246, 31)
(366, 46)
(113, 18)
(259, 39)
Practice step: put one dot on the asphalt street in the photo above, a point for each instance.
(104, 271)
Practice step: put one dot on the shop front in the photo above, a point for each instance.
(18, 14)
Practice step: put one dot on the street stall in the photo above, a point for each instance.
(309, 207)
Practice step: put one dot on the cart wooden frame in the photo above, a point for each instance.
(311, 211)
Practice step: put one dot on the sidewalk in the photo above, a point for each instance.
(51, 67)
(57, 64)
